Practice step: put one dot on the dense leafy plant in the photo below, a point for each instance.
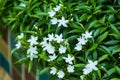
(70, 39)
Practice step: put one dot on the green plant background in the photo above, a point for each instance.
(102, 17)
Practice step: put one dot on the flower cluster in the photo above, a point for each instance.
(82, 40)
(54, 20)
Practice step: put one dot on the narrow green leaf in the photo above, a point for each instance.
(30, 66)
(43, 71)
(102, 58)
(22, 60)
(102, 37)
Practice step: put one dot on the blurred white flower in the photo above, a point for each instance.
(61, 74)
(90, 67)
(51, 37)
(87, 35)
(50, 49)
(32, 51)
(57, 8)
(33, 40)
(53, 70)
(78, 47)
(82, 41)
(18, 45)
(51, 13)
(22, 5)
(62, 22)
(54, 21)
(53, 57)
(70, 68)
(68, 59)
(62, 49)
(44, 42)
(82, 77)
(20, 36)
(58, 38)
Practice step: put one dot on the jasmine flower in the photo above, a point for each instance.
(18, 45)
(57, 8)
(58, 38)
(51, 37)
(70, 68)
(61, 74)
(62, 22)
(51, 13)
(78, 47)
(53, 70)
(53, 57)
(68, 59)
(87, 35)
(62, 49)
(33, 40)
(82, 41)
(20, 36)
(54, 21)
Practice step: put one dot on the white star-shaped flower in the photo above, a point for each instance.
(70, 68)
(51, 37)
(44, 42)
(82, 40)
(20, 36)
(32, 51)
(62, 49)
(90, 67)
(87, 35)
(58, 38)
(51, 13)
(53, 57)
(53, 70)
(54, 21)
(33, 40)
(18, 45)
(68, 59)
(63, 22)
(57, 8)
(78, 47)
(50, 49)
(61, 74)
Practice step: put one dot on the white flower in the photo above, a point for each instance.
(82, 77)
(44, 42)
(20, 36)
(62, 22)
(58, 38)
(51, 13)
(82, 40)
(90, 67)
(32, 51)
(54, 21)
(33, 40)
(70, 68)
(61, 74)
(50, 49)
(51, 37)
(68, 59)
(62, 49)
(78, 47)
(53, 70)
(53, 57)
(87, 71)
(87, 35)
(22, 5)
(57, 8)
(18, 45)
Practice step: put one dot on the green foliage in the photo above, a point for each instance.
(102, 17)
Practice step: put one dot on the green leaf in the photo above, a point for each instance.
(112, 42)
(115, 79)
(43, 71)
(102, 37)
(114, 29)
(79, 65)
(102, 58)
(22, 60)
(95, 45)
(109, 72)
(30, 66)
